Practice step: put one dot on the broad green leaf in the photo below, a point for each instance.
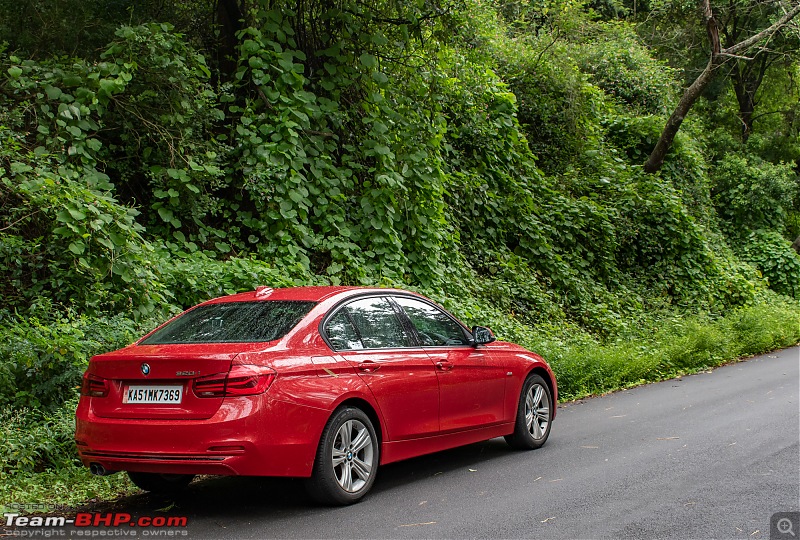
(368, 60)
(165, 213)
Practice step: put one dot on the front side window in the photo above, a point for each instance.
(375, 323)
(232, 322)
(433, 325)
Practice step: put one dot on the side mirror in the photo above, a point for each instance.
(482, 335)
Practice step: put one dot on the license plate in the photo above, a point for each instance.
(153, 394)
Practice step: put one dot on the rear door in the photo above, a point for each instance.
(471, 383)
(368, 333)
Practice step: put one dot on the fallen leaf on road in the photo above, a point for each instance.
(666, 438)
(418, 524)
(732, 444)
(423, 502)
(548, 519)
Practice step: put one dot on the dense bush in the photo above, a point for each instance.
(775, 258)
(46, 352)
(33, 443)
(624, 68)
(752, 194)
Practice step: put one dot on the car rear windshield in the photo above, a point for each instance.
(232, 322)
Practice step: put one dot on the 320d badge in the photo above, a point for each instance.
(324, 383)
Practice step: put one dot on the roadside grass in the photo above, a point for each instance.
(67, 487)
(675, 348)
(38, 462)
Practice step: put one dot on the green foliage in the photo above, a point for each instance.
(44, 28)
(775, 258)
(341, 168)
(618, 63)
(46, 352)
(752, 194)
(197, 277)
(38, 461)
(683, 345)
(80, 246)
(556, 106)
(33, 443)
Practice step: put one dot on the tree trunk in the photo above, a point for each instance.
(747, 77)
(796, 244)
(229, 16)
(656, 159)
(746, 97)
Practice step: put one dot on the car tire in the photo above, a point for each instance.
(347, 459)
(160, 483)
(534, 415)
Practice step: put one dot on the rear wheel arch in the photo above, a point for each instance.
(367, 408)
(348, 455)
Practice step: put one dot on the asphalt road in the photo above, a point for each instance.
(711, 455)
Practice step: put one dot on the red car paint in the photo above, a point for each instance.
(422, 399)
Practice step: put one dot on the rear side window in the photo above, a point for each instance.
(341, 333)
(232, 322)
(375, 323)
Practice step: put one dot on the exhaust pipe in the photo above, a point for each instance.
(97, 469)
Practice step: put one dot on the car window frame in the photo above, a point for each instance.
(401, 320)
(404, 319)
(468, 337)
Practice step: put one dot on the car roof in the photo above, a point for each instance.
(308, 294)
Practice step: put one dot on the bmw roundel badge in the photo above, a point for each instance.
(145, 369)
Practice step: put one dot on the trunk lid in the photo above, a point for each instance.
(138, 374)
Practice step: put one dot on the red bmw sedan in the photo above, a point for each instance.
(323, 383)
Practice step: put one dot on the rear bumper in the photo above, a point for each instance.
(252, 436)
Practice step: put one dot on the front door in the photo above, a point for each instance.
(471, 385)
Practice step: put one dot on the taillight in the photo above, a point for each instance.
(94, 386)
(241, 380)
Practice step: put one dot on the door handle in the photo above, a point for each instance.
(444, 366)
(368, 366)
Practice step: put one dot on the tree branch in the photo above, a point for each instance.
(767, 32)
